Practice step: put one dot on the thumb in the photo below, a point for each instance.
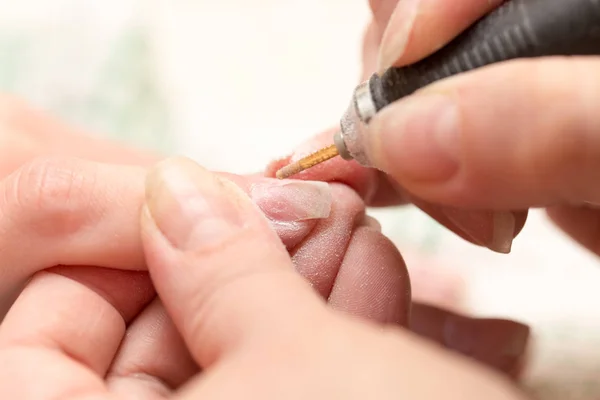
(224, 276)
(508, 136)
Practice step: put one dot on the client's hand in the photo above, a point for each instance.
(26, 133)
(239, 311)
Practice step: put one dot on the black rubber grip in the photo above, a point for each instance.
(517, 29)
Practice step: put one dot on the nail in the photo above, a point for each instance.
(493, 229)
(504, 232)
(292, 201)
(398, 31)
(192, 207)
(496, 342)
(417, 138)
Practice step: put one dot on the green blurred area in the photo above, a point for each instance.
(125, 101)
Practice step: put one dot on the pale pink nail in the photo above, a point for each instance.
(292, 201)
(395, 38)
(492, 229)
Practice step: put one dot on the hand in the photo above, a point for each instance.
(46, 185)
(388, 40)
(474, 141)
(229, 288)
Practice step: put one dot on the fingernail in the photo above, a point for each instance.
(498, 343)
(192, 207)
(503, 233)
(395, 38)
(418, 138)
(292, 201)
(494, 229)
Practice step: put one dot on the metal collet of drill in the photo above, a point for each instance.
(516, 29)
(347, 141)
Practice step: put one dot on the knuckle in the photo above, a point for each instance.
(51, 193)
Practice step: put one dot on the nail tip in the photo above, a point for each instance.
(503, 249)
(504, 232)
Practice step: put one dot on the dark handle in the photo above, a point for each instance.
(517, 29)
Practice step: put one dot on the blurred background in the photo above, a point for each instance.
(236, 83)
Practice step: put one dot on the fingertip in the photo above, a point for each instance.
(397, 34)
(418, 28)
(373, 281)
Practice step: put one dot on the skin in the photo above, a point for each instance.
(477, 224)
(228, 331)
(230, 299)
(65, 208)
(531, 143)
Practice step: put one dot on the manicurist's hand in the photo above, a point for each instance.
(515, 135)
(231, 305)
(400, 33)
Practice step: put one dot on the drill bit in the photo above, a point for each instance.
(307, 162)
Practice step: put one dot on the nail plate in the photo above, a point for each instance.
(504, 232)
(292, 201)
(494, 230)
(192, 207)
(398, 31)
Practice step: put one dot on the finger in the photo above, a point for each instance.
(372, 281)
(338, 259)
(152, 358)
(68, 212)
(370, 49)
(417, 28)
(500, 344)
(494, 230)
(353, 281)
(534, 142)
(60, 336)
(331, 252)
(222, 273)
(30, 133)
(382, 11)
(581, 223)
(77, 212)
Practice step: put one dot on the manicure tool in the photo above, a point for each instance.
(517, 29)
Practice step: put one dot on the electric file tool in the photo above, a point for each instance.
(517, 29)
